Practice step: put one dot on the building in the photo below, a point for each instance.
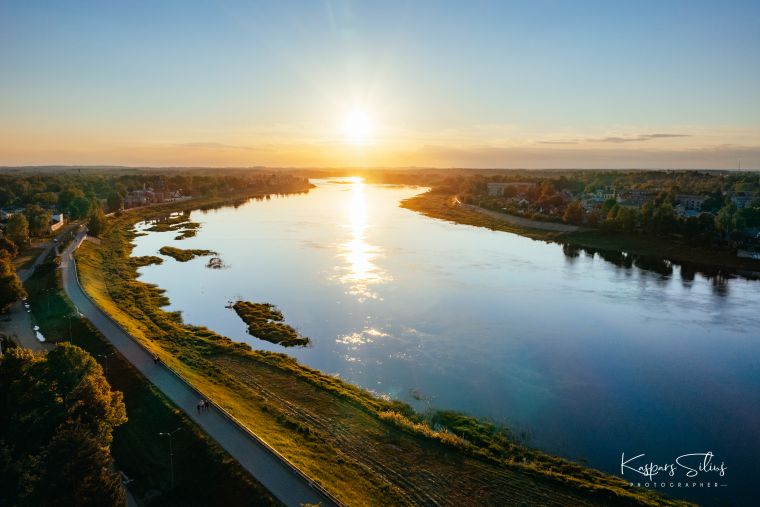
(691, 202)
(56, 222)
(497, 188)
(636, 198)
(741, 201)
(143, 197)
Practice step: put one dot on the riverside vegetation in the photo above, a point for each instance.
(445, 206)
(698, 217)
(265, 322)
(364, 449)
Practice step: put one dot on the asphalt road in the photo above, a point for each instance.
(17, 322)
(280, 479)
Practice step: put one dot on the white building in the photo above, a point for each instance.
(56, 222)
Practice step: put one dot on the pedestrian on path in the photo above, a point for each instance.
(199, 406)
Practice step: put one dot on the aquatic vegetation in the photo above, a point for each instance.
(187, 233)
(265, 322)
(184, 255)
(147, 260)
(177, 222)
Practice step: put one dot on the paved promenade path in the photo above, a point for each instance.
(283, 481)
(522, 221)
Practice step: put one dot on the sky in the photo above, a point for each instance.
(513, 84)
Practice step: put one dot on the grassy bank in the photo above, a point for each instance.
(442, 207)
(364, 449)
(204, 473)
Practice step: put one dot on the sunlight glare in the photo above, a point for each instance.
(361, 271)
(358, 127)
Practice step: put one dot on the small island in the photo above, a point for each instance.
(147, 260)
(184, 255)
(265, 322)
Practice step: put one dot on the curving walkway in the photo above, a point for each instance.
(279, 477)
(522, 221)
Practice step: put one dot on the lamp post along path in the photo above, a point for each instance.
(171, 451)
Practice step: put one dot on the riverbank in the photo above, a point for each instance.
(446, 207)
(364, 449)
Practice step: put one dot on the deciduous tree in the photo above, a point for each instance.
(18, 229)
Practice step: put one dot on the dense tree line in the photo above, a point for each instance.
(11, 288)
(554, 196)
(57, 415)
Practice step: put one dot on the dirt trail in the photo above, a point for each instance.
(522, 221)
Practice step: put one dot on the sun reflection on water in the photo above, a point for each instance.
(360, 271)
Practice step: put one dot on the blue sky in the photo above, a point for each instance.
(490, 84)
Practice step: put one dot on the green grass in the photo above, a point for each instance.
(364, 449)
(27, 256)
(184, 255)
(265, 322)
(204, 473)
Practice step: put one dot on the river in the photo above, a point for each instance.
(584, 357)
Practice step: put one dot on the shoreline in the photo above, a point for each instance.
(231, 374)
(443, 207)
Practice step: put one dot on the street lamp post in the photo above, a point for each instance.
(105, 357)
(171, 451)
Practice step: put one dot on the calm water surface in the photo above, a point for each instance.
(588, 358)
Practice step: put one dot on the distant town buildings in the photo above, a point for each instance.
(147, 195)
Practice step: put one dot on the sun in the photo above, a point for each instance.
(358, 127)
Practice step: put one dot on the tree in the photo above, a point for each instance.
(57, 415)
(665, 219)
(115, 201)
(39, 219)
(7, 245)
(609, 204)
(573, 213)
(18, 229)
(724, 220)
(11, 288)
(75, 201)
(97, 222)
(74, 453)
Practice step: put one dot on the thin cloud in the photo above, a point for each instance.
(214, 146)
(636, 139)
